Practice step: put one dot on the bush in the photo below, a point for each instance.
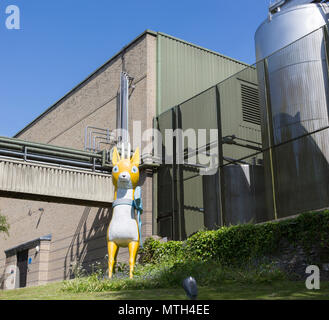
(236, 253)
(154, 251)
(240, 244)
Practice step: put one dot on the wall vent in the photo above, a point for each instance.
(250, 104)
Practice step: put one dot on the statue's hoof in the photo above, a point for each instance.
(107, 275)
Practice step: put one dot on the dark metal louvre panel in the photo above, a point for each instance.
(250, 104)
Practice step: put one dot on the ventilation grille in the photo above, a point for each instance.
(250, 104)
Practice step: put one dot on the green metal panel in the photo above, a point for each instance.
(200, 112)
(198, 201)
(193, 203)
(232, 119)
(197, 81)
(184, 70)
(165, 175)
(182, 191)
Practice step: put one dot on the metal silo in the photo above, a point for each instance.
(292, 54)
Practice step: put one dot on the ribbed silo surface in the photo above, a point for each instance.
(294, 98)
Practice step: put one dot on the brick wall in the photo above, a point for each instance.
(80, 232)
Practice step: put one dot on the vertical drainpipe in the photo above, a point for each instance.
(124, 102)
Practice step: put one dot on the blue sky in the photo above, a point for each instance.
(61, 42)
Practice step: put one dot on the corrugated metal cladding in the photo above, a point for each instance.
(185, 203)
(208, 201)
(184, 70)
(297, 83)
(240, 112)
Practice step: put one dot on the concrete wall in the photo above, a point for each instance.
(80, 232)
(35, 181)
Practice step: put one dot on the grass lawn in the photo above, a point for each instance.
(286, 290)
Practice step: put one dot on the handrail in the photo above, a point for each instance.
(28, 151)
(24, 143)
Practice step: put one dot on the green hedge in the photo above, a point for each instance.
(236, 245)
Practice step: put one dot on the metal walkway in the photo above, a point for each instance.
(42, 172)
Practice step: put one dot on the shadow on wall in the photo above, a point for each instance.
(244, 194)
(301, 179)
(2, 280)
(165, 201)
(301, 168)
(88, 246)
(301, 175)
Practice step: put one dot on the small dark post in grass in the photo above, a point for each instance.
(190, 287)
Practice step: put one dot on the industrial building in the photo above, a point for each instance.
(260, 154)
(164, 72)
(272, 121)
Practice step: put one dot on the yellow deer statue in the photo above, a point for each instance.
(124, 230)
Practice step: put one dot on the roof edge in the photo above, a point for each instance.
(54, 105)
(27, 245)
(147, 31)
(203, 48)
